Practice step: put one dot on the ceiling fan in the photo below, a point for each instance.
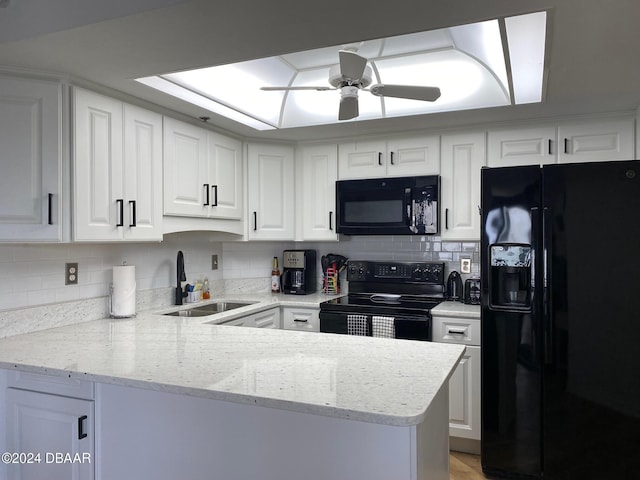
(353, 74)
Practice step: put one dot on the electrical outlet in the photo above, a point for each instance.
(70, 273)
(465, 265)
(214, 262)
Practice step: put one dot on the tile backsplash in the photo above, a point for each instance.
(33, 275)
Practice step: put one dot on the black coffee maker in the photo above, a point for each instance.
(299, 271)
(454, 287)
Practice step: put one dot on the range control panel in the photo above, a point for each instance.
(400, 272)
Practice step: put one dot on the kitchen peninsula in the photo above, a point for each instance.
(176, 397)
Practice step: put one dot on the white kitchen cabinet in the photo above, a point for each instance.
(569, 142)
(202, 172)
(117, 170)
(267, 319)
(271, 192)
(42, 416)
(465, 382)
(401, 156)
(463, 156)
(301, 319)
(224, 176)
(521, 146)
(319, 175)
(31, 204)
(596, 140)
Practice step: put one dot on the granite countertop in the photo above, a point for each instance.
(373, 380)
(456, 309)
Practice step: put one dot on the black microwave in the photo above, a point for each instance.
(388, 206)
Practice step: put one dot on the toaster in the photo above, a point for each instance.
(472, 291)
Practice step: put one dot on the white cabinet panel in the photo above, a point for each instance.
(319, 175)
(98, 157)
(142, 173)
(463, 155)
(225, 176)
(301, 319)
(464, 396)
(271, 192)
(413, 156)
(364, 159)
(30, 155)
(185, 166)
(597, 140)
(526, 146)
(43, 423)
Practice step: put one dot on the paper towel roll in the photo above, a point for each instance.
(123, 291)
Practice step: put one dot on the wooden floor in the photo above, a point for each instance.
(464, 466)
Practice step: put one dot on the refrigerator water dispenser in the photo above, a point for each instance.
(510, 276)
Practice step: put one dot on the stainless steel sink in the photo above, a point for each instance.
(209, 309)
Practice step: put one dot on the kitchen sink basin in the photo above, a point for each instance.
(209, 309)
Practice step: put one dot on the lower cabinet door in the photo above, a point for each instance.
(50, 437)
(464, 396)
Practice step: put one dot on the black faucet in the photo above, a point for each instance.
(180, 277)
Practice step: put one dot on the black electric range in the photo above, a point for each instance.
(386, 299)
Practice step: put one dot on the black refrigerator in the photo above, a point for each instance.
(560, 266)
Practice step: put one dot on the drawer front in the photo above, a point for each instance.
(456, 330)
(302, 319)
(36, 382)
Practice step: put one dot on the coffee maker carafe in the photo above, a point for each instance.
(299, 271)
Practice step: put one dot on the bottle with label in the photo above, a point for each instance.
(206, 294)
(275, 276)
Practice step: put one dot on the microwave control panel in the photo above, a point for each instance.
(401, 272)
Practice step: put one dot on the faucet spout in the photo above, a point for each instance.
(180, 277)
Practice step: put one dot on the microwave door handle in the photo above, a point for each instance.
(412, 227)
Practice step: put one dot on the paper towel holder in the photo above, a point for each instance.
(128, 310)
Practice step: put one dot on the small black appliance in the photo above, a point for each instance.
(454, 287)
(472, 291)
(299, 271)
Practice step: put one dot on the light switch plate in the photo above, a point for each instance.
(465, 265)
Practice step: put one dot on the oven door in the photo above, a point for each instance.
(374, 207)
(408, 327)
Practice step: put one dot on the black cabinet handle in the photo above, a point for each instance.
(392, 158)
(132, 211)
(566, 145)
(120, 203)
(81, 433)
(206, 193)
(446, 218)
(550, 150)
(379, 158)
(330, 220)
(50, 209)
(301, 320)
(215, 195)
(255, 221)
(455, 331)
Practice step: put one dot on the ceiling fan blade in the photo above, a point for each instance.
(320, 89)
(412, 92)
(348, 108)
(352, 65)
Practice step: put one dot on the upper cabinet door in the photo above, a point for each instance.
(362, 159)
(319, 175)
(271, 192)
(413, 156)
(30, 155)
(596, 140)
(463, 155)
(523, 146)
(186, 181)
(225, 176)
(99, 203)
(142, 174)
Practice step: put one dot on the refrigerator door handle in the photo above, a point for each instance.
(547, 315)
